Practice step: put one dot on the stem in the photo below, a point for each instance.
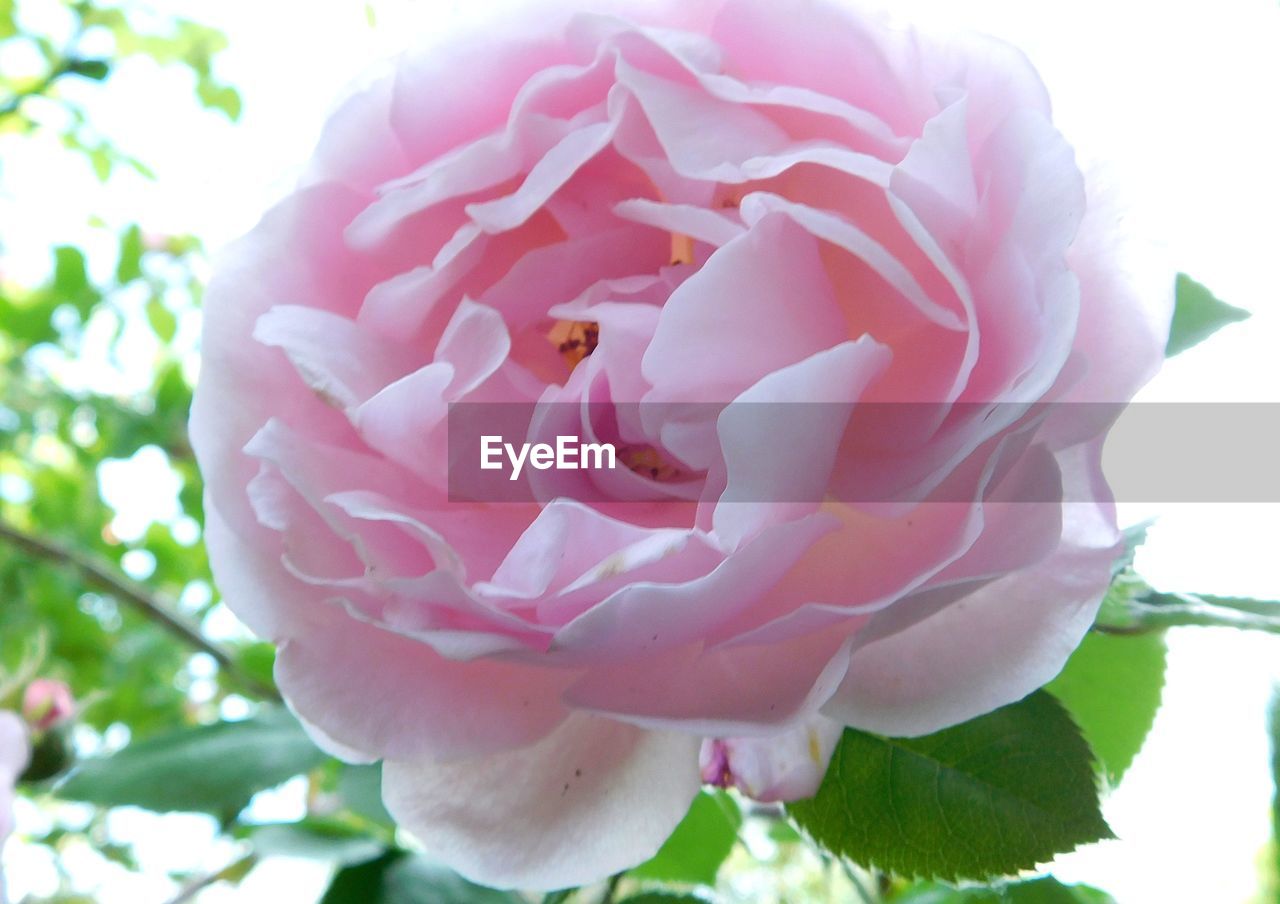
(11, 106)
(65, 65)
(611, 888)
(239, 868)
(866, 894)
(1122, 630)
(146, 604)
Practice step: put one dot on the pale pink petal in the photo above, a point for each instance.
(558, 273)
(770, 482)
(401, 305)
(832, 227)
(358, 146)
(937, 175)
(14, 753)
(342, 363)
(1018, 630)
(789, 765)
(1126, 303)
(830, 49)
(474, 344)
(547, 176)
(296, 252)
(405, 421)
(744, 690)
(771, 277)
(355, 682)
(647, 616)
(592, 798)
(696, 222)
(679, 115)
(565, 541)
(901, 548)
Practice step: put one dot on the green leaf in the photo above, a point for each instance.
(210, 768)
(163, 322)
(401, 878)
(71, 280)
(51, 754)
(1273, 725)
(313, 839)
(1046, 890)
(663, 897)
(1197, 315)
(129, 264)
(219, 97)
(7, 26)
(102, 160)
(781, 831)
(1111, 685)
(699, 844)
(360, 788)
(256, 659)
(988, 798)
(95, 70)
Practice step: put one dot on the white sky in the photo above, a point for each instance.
(1183, 98)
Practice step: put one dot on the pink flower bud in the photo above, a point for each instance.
(47, 703)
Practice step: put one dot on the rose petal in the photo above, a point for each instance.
(786, 766)
(342, 363)
(756, 279)
(355, 682)
(770, 482)
(547, 816)
(1019, 631)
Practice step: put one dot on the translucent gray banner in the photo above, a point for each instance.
(859, 453)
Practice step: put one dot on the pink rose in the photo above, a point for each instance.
(47, 703)
(745, 205)
(14, 754)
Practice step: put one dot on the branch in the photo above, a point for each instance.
(231, 873)
(66, 64)
(14, 103)
(146, 604)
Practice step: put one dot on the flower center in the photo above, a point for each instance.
(575, 339)
(648, 462)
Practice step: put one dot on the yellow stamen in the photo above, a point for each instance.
(681, 249)
(645, 461)
(575, 339)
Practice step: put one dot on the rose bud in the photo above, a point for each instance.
(46, 703)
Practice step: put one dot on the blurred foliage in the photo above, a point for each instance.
(172, 721)
(57, 33)
(53, 440)
(134, 676)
